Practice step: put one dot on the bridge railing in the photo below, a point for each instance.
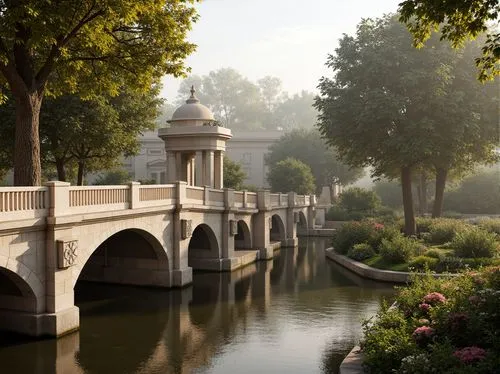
(23, 202)
(92, 199)
(156, 195)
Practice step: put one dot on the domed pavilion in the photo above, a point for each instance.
(195, 145)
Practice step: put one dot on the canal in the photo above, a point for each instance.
(298, 313)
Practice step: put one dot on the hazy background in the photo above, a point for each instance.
(288, 39)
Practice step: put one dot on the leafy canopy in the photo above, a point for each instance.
(93, 46)
(458, 21)
(233, 175)
(291, 175)
(308, 147)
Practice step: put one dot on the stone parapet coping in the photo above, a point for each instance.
(366, 271)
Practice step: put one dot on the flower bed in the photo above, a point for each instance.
(449, 326)
(442, 245)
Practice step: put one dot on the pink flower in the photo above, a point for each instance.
(434, 298)
(470, 354)
(424, 307)
(378, 226)
(423, 332)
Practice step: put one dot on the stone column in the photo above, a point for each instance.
(180, 173)
(171, 167)
(182, 274)
(261, 227)
(218, 169)
(291, 226)
(208, 168)
(311, 213)
(190, 167)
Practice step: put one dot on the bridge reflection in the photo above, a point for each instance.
(138, 330)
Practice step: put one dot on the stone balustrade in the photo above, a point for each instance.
(60, 198)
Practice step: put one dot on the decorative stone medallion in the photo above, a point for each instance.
(186, 228)
(67, 253)
(233, 227)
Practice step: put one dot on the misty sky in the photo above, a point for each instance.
(289, 39)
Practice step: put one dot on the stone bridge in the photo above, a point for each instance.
(151, 235)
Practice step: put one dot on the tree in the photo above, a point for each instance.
(87, 47)
(291, 175)
(308, 147)
(375, 111)
(78, 136)
(113, 178)
(466, 119)
(389, 193)
(477, 194)
(233, 175)
(234, 100)
(357, 199)
(458, 21)
(296, 111)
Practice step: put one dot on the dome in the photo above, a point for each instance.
(192, 111)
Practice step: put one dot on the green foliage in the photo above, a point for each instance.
(360, 252)
(357, 199)
(490, 225)
(233, 175)
(352, 233)
(424, 224)
(459, 312)
(389, 193)
(113, 178)
(308, 147)
(423, 262)
(476, 194)
(434, 253)
(475, 242)
(443, 230)
(291, 175)
(399, 249)
(87, 48)
(463, 19)
(457, 264)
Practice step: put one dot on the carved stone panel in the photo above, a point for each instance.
(67, 253)
(186, 228)
(233, 227)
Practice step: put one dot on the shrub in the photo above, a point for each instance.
(434, 253)
(453, 334)
(359, 200)
(443, 230)
(491, 225)
(475, 242)
(337, 213)
(424, 224)
(360, 252)
(353, 233)
(399, 249)
(457, 264)
(424, 262)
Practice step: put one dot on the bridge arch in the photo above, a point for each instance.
(18, 293)
(243, 238)
(277, 231)
(203, 244)
(130, 256)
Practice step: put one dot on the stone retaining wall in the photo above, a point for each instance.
(373, 273)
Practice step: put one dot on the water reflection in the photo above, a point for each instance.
(299, 313)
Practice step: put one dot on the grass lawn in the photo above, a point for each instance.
(379, 263)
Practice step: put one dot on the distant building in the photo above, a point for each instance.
(248, 148)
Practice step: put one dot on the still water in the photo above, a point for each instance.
(298, 313)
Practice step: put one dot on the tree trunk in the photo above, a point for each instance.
(27, 165)
(410, 226)
(61, 171)
(441, 175)
(81, 170)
